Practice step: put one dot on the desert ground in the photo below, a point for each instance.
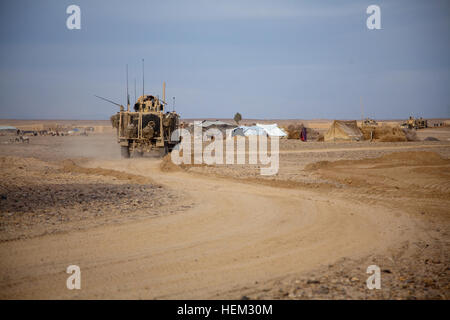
(144, 228)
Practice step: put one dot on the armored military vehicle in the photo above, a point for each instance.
(369, 123)
(414, 123)
(149, 127)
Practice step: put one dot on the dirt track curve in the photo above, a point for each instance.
(234, 235)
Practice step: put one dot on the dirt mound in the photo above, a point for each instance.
(392, 138)
(411, 135)
(414, 158)
(320, 164)
(410, 158)
(167, 165)
(71, 166)
(23, 163)
(385, 134)
(294, 132)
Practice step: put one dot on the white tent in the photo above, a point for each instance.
(272, 130)
(7, 128)
(217, 123)
(248, 131)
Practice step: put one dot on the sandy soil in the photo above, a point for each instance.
(224, 231)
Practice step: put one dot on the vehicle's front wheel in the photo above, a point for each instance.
(124, 151)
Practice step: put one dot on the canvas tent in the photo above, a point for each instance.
(220, 125)
(272, 130)
(343, 131)
(7, 128)
(217, 123)
(248, 131)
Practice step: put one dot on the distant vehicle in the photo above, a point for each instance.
(413, 123)
(369, 122)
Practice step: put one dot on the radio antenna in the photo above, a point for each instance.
(362, 110)
(142, 78)
(128, 96)
(119, 105)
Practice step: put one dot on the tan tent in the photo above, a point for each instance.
(343, 131)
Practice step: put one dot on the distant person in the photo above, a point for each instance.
(303, 134)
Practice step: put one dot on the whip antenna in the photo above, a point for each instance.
(128, 96)
(142, 78)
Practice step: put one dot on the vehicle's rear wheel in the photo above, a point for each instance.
(124, 151)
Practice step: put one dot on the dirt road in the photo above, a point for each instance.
(236, 235)
(229, 233)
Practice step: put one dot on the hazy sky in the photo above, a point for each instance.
(264, 59)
